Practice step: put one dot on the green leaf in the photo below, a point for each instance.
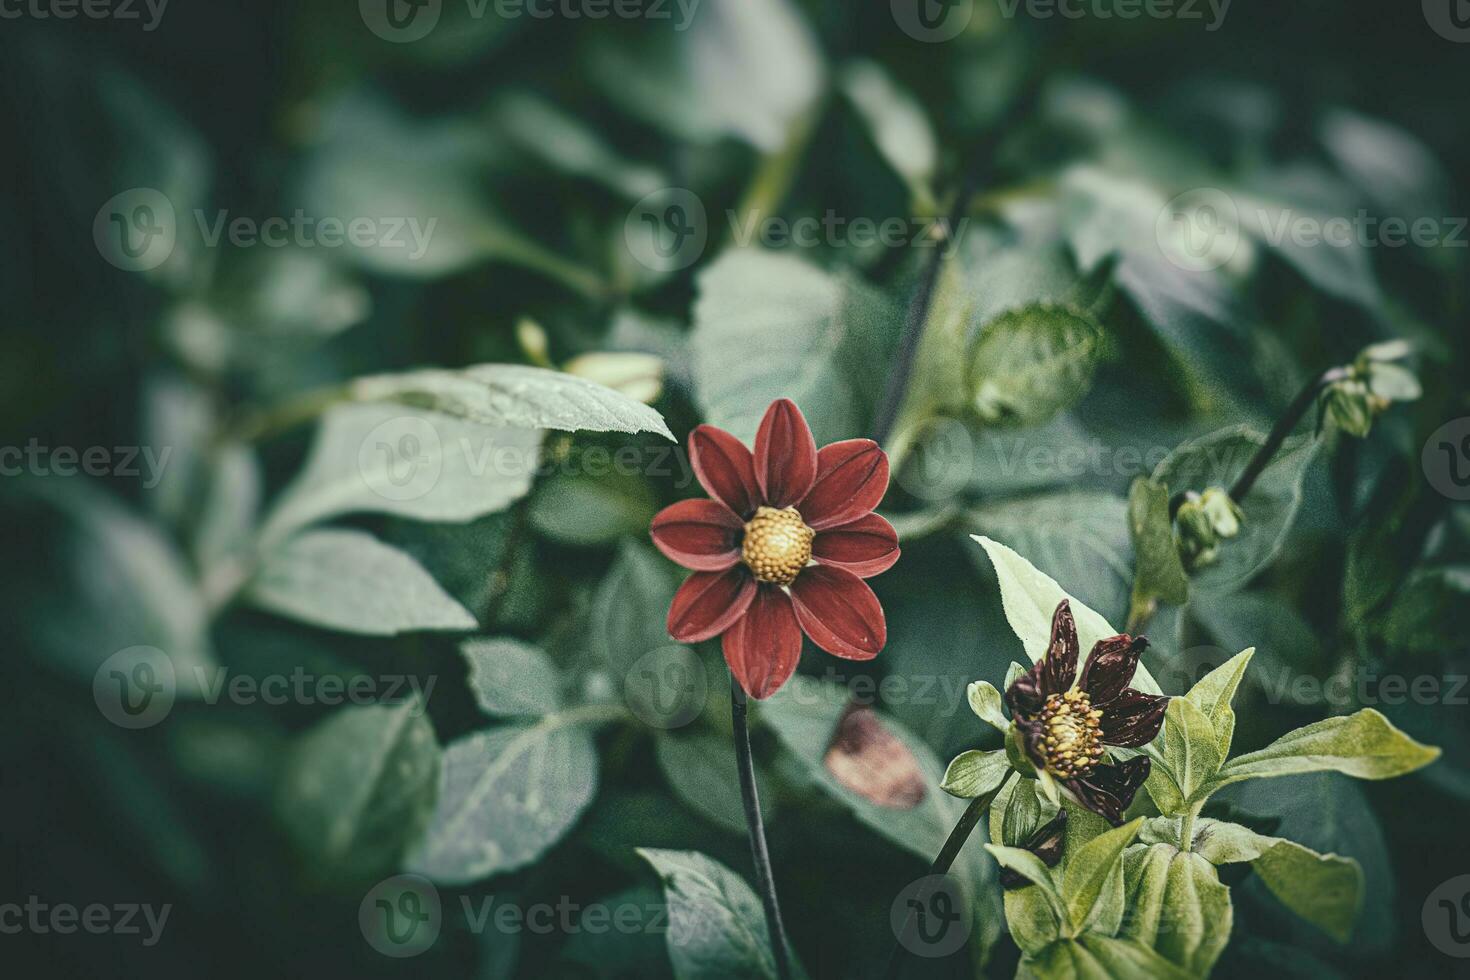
(1097, 957)
(515, 396)
(1018, 812)
(1394, 382)
(121, 583)
(717, 925)
(439, 223)
(227, 519)
(1176, 906)
(507, 794)
(1158, 574)
(898, 124)
(1088, 869)
(358, 788)
(1364, 745)
(1332, 815)
(1324, 889)
(1189, 748)
(770, 326)
(987, 704)
(665, 683)
(1075, 536)
(1030, 597)
(975, 773)
(1034, 870)
(510, 679)
(1029, 364)
(1213, 694)
(700, 768)
(421, 465)
(350, 581)
(751, 70)
(1270, 507)
(570, 145)
(589, 511)
(1277, 209)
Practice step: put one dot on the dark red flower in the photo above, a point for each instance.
(782, 549)
(1064, 728)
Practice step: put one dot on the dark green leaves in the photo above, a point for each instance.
(716, 924)
(1363, 744)
(1031, 363)
(507, 794)
(359, 787)
(1269, 508)
(350, 581)
(770, 326)
(515, 396)
(1158, 575)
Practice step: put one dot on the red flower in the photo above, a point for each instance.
(782, 549)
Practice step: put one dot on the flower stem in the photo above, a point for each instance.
(941, 865)
(756, 828)
(1284, 427)
(978, 171)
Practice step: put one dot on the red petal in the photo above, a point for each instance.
(865, 547)
(709, 602)
(725, 468)
(785, 454)
(839, 612)
(698, 534)
(852, 477)
(763, 646)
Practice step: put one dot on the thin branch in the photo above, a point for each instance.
(1284, 427)
(756, 828)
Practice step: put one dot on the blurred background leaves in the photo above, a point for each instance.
(520, 177)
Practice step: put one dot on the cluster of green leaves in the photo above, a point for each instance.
(1145, 897)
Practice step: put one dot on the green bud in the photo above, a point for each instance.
(1350, 406)
(1195, 533)
(1222, 512)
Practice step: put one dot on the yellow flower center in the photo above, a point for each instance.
(777, 545)
(1073, 743)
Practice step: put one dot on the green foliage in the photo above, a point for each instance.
(716, 926)
(376, 461)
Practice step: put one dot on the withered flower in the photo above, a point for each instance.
(1064, 728)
